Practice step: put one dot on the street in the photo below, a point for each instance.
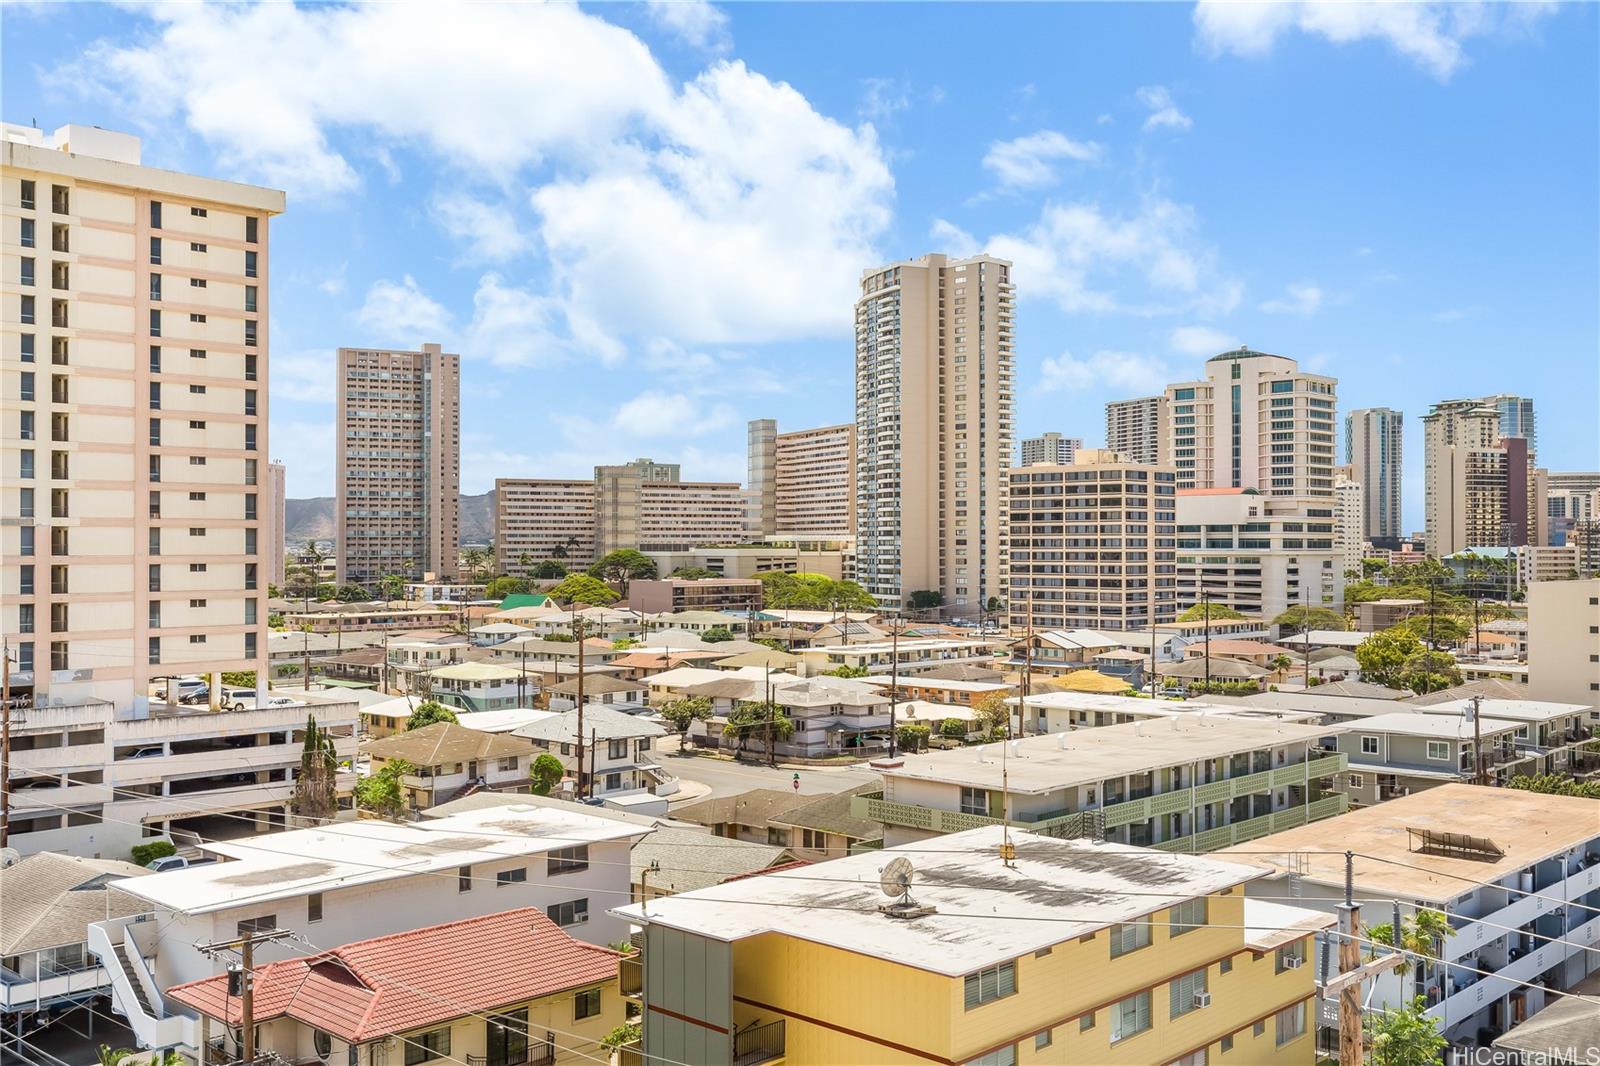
(727, 778)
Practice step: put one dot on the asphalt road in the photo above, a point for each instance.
(727, 778)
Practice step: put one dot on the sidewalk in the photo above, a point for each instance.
(689, 791)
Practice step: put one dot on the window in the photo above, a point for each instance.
(575, 912)
(155, 322)
(249, 297)
(198, 212)
(1194, 1058)
(1357, 781)
(197, 604)
(1043, 1040)
(251, 228)
(1004, 1056)
(974, 801)
(26, 352)
(155, 251)
(1185, 991)
(197, 568)
(1130, 1017)
(25, 272)
(155, 214)
(1227, 964)
(194, 317)
(1227, 1044)
(25, 464)
(425, 1047)
(1186, 916)
(511, 877)
(314, 907)
(321, 1043)
(25, 385)
(197, 638)
(586, 1004)
(1086, 1022)
(1369, 745)
(1258, 1028)
(26, 547)
(569, 860)
(258, 925)
(197, 283)
(777, 837)
(616, 749)
(990, 984)
(60, 200)
(249, 264)
(25, 232)
(250, 332)
(1289, 956)
(26, 310)
(26, 194)
(197, 390)
(503, 765)
(196, 246)
(464, 879)
(1439, 749)
(25, 425)
(1290, 1023)
(1129, 938)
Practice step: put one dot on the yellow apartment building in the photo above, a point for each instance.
(1073, 952)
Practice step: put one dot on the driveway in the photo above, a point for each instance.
(727, 778)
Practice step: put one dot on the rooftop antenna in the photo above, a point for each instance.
(895, 881)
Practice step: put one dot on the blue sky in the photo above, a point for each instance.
(643, 224)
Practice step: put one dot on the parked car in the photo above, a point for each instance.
(243, 699)
(147, 753)
(196, 696)
(175, 862)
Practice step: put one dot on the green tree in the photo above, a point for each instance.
(276, 621)
(383, 791)
(549, 570)
(392, 586)
(1406, 1036)
(993, 715)
(626, 1033)
(717, 634)
(1421, 935)
(848, 671)
(315, 794)
(429, 712)
(479, 563)
(1437, 628)
(1555, 785)
(110, 1056)
(1215, 612)
(693, 573)
(681, 714)
(925, 599)
(912, 736)
(144, 854)
(1383, 656)
(953, 728)
(325, 591)
(501, 587)
(1301, 619)
(1428, 671)
(812, 592)
(622, 566)
(545, 773)
(1281, 663)
(761, 717)
(353, 593)
(582, 588)
(1370, 568)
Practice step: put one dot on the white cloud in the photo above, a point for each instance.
(1086, 258)
(488, 230)
(399, 312)
(1029, 162)
(333, 284)
(304, 377)
(517, 327)
(1163, 112)
(696, 22)
(1127, 372)
(670, 414)
(1300, 298)
(1201, 340)
(690, 211)
(1429, 34)
(952, 239)
(883, 98)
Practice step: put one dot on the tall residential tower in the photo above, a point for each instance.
(934, 423)
(1373, 448)
(398, 510)
(1137, 428)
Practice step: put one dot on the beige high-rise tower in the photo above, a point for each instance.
(133, 419)
(398, 511)
(277, 521)
(1374, 446)
(934, 430)
(1479, 485)
(1137, 428)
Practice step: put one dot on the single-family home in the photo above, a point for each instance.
(616, 746)
(448, 761)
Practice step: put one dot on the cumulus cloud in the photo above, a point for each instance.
(1163, 112)
(1201, 340)
(695, 22)
(1431, 35)
(1300, 298)
(952, 239)
(399, 312)
(1030, 162)
(1106, 370)
(488, 231)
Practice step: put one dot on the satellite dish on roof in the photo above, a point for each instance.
(895, 879)
(9, 857)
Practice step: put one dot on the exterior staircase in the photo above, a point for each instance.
(138, 989)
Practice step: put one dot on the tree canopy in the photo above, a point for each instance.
(681, 714)
(1212, 612)
(549, 570)
(813, 592)
(581, 588)
(1555, 785)
(1303, 619)
(429, 712)
(545, 773)
(622, 566)
(925, 599)
(717, 634)
(382, 791)
(1407, 1036)
(501, 587)
(315, 795)
(693, 573)
(1383, 656)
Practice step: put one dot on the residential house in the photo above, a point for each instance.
(674, 683)
(672, 595)
(831, 715)
(825, 827)
(448, 760)
(487, 636)
(607, 689)
(673, 860)
(617, 750)
(479, 686)
(351, 881)
(1107, 954)
(942, 690)
(502, 988)
(746, 816)
(45, 965)
(913, 655)
(1392, 755)
(1186, 783)
(407, 659)
(1517, 875)
(1375, 615)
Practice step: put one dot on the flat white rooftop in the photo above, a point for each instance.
(504, 720)
(1515, 710)
(1436, 726)
(1056, 890)
(292, 863)
(1044, 764)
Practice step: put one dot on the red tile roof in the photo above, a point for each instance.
(391, 984)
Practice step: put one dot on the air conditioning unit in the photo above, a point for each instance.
(1293, 962)
(1202, 999)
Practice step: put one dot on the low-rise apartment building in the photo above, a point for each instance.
(448, 761)
(1194, 784)
(617, 750)
(953, 691)
(913, 655)
(479, 686)
(1552, 735)
(673, 594)
(536, 997)
(90, 779)
(1392, 755)
(352, 881)
(1517, 875)
(372, 617)
(1108, 954)
(831, 715)
(1062, 712)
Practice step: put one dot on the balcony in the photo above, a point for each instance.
(761, 1043)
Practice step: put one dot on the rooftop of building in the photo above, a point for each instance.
(754, 808)
(476, 671)
(503, 720)
(50, 899)
(1523, 827)
(689, 859)
(910, 644)
(833, 813)
(1519, 710)
(289, 864)
(1413, 723)
(392, 984)
(446, 742)
(600, 722)
(1242, 352)
(1055, 891)
(946, 684)
(1044, 764)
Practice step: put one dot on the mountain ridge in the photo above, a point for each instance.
(311, 518)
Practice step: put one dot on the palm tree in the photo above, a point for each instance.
(1421, 936)
(115, 1056)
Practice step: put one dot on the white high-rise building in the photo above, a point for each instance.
(1258, 554)
(1049, 448)
(1349, 498)
(1137, 428)
(1255, 421)
(934, 422)
(1374, 447)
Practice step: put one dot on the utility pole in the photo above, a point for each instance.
(1433, 612)
(1205, 607)
(1478, 774)
(894, 681)
(5, 742)
(1027, 671)
(577, 633)
(1350, 1050)
(1305, 644)
(246, 946)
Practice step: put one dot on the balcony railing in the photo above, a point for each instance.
(759, 1044)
